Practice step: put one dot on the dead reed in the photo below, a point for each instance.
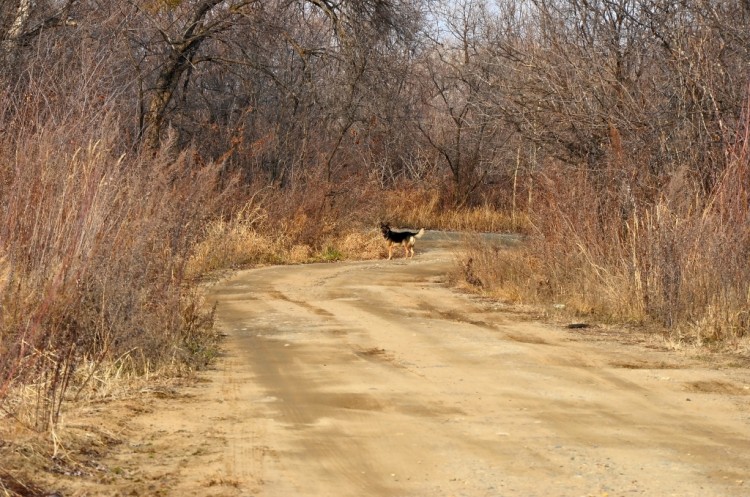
(673, 257)
(93, 250)
(424, 205)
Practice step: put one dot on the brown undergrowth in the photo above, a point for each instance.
(317, 223)
(685, 275)
(93, 251)
(673, 261)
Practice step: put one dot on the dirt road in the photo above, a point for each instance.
(374, 379)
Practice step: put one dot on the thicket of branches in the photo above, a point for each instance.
(617, 127)
(632, 120)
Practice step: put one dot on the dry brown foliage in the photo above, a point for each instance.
(675, 262)
(94, 248)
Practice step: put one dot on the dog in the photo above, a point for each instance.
(405, 238)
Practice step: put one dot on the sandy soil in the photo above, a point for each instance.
(375, 379)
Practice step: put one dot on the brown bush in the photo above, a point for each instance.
(678, 263)
(93, 259)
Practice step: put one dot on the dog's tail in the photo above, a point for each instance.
(420, 233)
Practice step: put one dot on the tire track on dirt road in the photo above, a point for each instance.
(374, 379)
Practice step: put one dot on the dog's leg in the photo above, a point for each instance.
(390, 251)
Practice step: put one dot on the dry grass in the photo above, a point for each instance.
(237, 243)
(93, 248)
(424, 206)
(681, 269)
(505, 273)
(320, 223)
(361, 244)
(669, 252)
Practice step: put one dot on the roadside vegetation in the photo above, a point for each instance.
(633, 128)
(145, 145)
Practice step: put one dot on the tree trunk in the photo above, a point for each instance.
(17, 27)
(180, 59)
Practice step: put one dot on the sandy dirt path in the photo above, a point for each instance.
(375, 379)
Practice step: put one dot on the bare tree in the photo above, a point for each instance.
(456, 81)
(22, 20)
(182, 33)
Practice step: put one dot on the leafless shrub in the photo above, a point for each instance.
(677, 265)
(93, 250)
(631, 137)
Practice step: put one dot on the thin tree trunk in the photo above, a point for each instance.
(15, 31)
(180, 59)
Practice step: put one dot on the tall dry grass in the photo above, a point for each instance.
(675, 260)
(685, 273)
(93, 252)
(426, 206)
(314, 223)
(320, 222)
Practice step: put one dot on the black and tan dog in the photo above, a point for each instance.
(405, 238)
